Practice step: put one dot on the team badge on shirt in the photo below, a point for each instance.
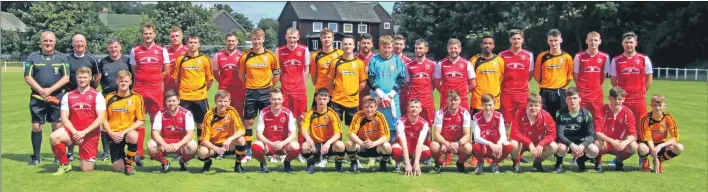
(227, 119)
(130, 102)
(523, 57)
(560, 60)
(298, 54)
(393, 67)
(599, 60)
(265, 58)
(179, 120)
(282, 119)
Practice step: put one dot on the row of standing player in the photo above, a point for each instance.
(514, 38)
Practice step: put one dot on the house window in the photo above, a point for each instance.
(348, 28)
(315, 44)
(387, 25)
(316, 26)
(294, 23)
(332, 26)
(363, 28)
(337, 45)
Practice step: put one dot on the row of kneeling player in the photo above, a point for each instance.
(454, 128)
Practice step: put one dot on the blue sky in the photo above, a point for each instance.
(257, 10)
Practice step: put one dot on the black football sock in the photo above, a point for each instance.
(104, 141)
(36, 143)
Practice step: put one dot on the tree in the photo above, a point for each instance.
(271, 38)
(268, 23)
(64, 19)
(665, 29)
(192, 19)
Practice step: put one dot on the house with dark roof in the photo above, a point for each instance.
(221, 19)
(8, 22)
(344, 18)
(225, 22)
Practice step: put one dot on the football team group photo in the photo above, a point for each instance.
(351, 104)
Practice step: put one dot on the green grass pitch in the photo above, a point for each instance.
(687, 100)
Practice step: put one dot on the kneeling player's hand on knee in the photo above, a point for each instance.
(537, 153)
(220, 151)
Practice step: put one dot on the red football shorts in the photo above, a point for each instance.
(89, 148)
(596, 111)
(237, 98)
(297, 103)
(170, 83)
(510, 104)
(639, 109)
(153, 101)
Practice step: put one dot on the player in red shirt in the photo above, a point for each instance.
(421, 72)
(454, 73)
(412, 144)
(295, 66)
(632, 71)
(82, 112)
(175, 50)
(172, 133)
(365, 53)
(533, 130)
(225, 69)
(518, 70)
(399, 44)
(451, 132)
(490, 139)
(616, 134)
(150, 66)
(589, 74)
(276, 132)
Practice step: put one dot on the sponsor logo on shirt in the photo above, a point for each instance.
(421, 75)
(630, 71)
(120, 110)
(515, 66)
(454, 75)
(594, 69)
(488, 71)
(554, 66)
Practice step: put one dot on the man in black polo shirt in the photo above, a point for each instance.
(80, 59)
(46, 72)
(109, 67)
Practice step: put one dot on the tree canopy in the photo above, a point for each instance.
(665, 29)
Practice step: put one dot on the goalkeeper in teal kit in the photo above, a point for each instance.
(387, 75)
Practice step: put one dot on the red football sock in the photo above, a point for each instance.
(141, 140)
(397, 154)
(159, 157)
(462, 157)
(292, 154)
(506, 149)
(60, 153)
(425, 155)
(186, 158)
(258, 153)
(479, 151)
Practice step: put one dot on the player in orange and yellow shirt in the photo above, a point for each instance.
(125, 112)
(368, 135)
(322, 130)
(321, 61)
(553, 72)
(259, 70)
(194, 77)
(489, 71)
(348, 78)
(223, 133)
(660, 135)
